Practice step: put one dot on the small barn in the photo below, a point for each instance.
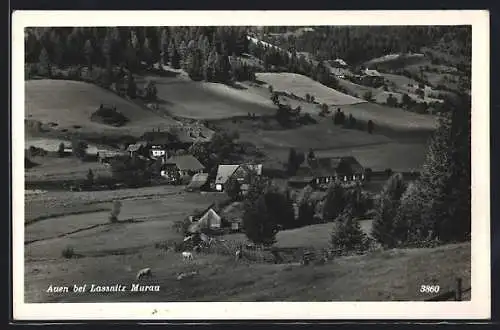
(208, 219)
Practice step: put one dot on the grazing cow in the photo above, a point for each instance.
(187, 255)
(145, 272)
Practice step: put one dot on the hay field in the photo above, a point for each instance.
(67, 168)
(394, 118)
(301, 85)
(204, 100)
(69, 104)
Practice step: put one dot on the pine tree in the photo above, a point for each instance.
(147, 53)
(89, 53)
(57, 48)
(164, 47)
(233, 189)
(292, 165)
(175, 58)
(335, 202)
(45, 62)
(107, 52)
(182, 54)
(384, 228)
(259, 226)
(347, 235)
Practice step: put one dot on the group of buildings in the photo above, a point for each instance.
(162, 147)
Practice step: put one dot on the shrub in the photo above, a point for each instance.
(182, 226)
(392, 101)
(68, 252)
(109, 116)
(60, 150)
(115, 211)
(79, 149)
(90, 178)
(306, 212)
(233, 189)
(368, 96)
(370, 126)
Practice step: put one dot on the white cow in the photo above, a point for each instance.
(145, 272)
(187, 255)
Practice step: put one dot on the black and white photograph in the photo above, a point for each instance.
(197, 157)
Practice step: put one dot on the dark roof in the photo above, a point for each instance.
(185, 163)
(300, 179)
(329, 166)
(158, 137)
(353, 163)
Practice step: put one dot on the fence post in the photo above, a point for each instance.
(458, 292)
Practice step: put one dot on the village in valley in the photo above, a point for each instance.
(246, 163)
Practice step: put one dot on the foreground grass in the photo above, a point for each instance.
(381, 276)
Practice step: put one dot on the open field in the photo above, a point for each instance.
(381, 115)
(301, 85)
(69, 105)
(323, 135)
(398, 156)
(66, 168)
(205, 101)
(51, 204)
(397, 60)
(51, 144)
(397, 119)
(313, 236)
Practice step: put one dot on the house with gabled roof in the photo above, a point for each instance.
(322, 171)
(181, 165)
(240, 172)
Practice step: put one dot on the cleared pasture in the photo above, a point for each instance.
(202, 100)
(380, 276)
(66, 168)
(394, 118)
(301, 85)
(69, 104)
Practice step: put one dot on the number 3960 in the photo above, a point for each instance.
(429, 288)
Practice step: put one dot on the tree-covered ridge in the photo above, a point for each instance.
(202, 51)
(357, 44)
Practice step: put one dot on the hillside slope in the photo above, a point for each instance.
(69, 103)
(301, 85)
(204, 100)
(394, 275)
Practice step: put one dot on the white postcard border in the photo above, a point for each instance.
(478, 308)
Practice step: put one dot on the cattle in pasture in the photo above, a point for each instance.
(145, 272)
(187, 256)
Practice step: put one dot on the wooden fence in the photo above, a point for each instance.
(454, 295)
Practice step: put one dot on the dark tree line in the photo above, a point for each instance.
(204, 52)
(357, 44)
